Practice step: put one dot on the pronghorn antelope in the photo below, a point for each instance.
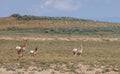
(78, 51)
(33, 52)
(21, 49)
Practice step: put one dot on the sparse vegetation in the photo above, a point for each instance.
(29, 17)
(100, 54)
(101, 31)
(106, 31)
(57, 54)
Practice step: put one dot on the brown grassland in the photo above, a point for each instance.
(56, 49)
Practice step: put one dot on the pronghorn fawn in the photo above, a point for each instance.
(21, 49)
(33, 52)
(78, 51)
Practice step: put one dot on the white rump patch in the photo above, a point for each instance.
(75, 50)
(18, 47)
(31, 52)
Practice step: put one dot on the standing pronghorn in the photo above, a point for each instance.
(33, 52)
(78, 51)
(21, 49)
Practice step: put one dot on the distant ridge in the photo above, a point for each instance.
(31, 17)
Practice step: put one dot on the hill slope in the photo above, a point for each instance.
(13, 21)
(52, 26)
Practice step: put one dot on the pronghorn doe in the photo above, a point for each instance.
(33, 52)
(21, 49)
(78, 51)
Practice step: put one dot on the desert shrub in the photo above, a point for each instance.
(30, 17)
(99, 30)
(15, 15)
(14, 28)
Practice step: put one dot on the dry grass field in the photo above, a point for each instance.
(101, 56)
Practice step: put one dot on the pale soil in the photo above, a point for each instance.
(81, 69)
(61, 38)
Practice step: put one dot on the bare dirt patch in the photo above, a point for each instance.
(80, 69)
(60, 38)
